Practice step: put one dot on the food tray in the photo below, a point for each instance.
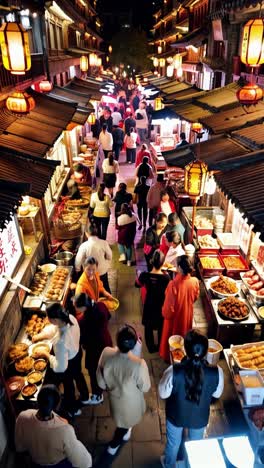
(32, 303)
(233, 349)
(208, 251)
(219, 294)
(67, 279)
(224, 245)
(235, 272)
(208, 272)
(256, 297)
(233, 319)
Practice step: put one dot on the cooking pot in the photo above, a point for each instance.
(63, 258)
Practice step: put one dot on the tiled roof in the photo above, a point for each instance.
(191, 112)
(220, 97)
(253, 136)
(10, 198)
(233, 119)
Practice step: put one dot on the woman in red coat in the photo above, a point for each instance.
(127, 226)
(180, 295)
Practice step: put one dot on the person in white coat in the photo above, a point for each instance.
(106, 140)
(142, 122)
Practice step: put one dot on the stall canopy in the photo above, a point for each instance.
(232, 119)
(245, 188)
(253, 136)
(174, 87)
(84, 108)
(220, 97)
(39, 130)
(84, 89)
(166, 113)
(10, 198)
(191, 112)
(24, 168)
(218, 153)
(184, 95)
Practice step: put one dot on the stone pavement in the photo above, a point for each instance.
(95, 426)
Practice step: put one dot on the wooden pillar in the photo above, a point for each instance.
(45, 224)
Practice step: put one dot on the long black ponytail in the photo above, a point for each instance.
(196, 347)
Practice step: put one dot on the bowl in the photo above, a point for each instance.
(48, 267)
(111, 304)
(38, 348)
(214, 350)
(40, 365)
(15, 384)
(261, 311)
(63, 258)
(219, 294)
(28, 391)
(34, 377)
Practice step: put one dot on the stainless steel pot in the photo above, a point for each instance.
(63, 258)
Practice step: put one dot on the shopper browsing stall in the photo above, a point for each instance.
(100, 205)
(90, 283)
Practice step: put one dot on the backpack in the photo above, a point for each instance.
(139, 116)
(143, 171)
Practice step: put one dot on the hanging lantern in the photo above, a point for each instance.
(197, 127)
(84, 63)
(158, 104)
(159, 49)
(43, 86)
(15, 48)
(210, 186)
(195, 175)
(20, 103)
(107, 59)
(249, 95)
(179, 72)
(252, 46)
(92, 118)
(156, 62)
(99, 62)
(110, 49)
(162, 62)
(177, 61)
(170, 71)
(93, 59)
(170, 60)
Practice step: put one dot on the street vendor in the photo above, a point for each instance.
(73, 191)
(82, 174)
(64, 332)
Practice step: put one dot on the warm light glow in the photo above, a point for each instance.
(252, 46)
(84, 63)
(170, 60)
(195, 175)
(170, 71)
(162, 62)
(193, 48)
(159, 49)
(15, 48)
(43, 86)
(110, 49)
(99, 62)
(107, 59)
(156, 62)
(93, 60)
(179, 72)
(197, 127)
(177, 61)
(158, 104)
(92, 118)
(210, 186)
(249, 95)
(20, 103)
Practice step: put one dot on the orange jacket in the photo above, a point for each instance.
(86, 286)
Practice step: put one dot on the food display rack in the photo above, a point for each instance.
(227, 331)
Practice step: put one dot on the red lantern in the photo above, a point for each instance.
(249, 95)
(43, 86)
(20, 103)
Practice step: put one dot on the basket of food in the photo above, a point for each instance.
(211, 265)
(64, 230)
(203, 225)
(35, 325)
(249, 355)
(234, 265)
(24, 365)
(233, 309)
(222, 287)
(77, 204)
(112, 304)
(17, 351)
(208, 244)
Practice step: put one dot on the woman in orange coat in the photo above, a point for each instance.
(90, 283)
(180, 295)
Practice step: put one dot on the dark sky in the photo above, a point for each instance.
(141, 11)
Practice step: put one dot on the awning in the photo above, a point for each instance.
(40, 128)
(245, 188)
(165, 113)
(174, 88)
(10, 198)
(191, 112)
(70, 96)
(185, 95)
(37, 172)
(252, 137)
(220, 98)
(233, 119)
(91, 94)
(195, 38)
(217, 153)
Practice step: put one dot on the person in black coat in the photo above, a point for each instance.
(129, 123)
(141, 189)
(155, 284)
(153, 237)
(118, 140)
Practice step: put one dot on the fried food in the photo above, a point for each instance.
(233, 308)
(34, 377)
(17, 351)
(24, 365)
(210, 262)
(233, 263)
(224, 285)
(250, 357)
(35, 325)
(40, 365)
(29, 390)
(208, 242)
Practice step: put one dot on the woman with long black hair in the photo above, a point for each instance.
(188, 388)
(100, 205)
(110, 169)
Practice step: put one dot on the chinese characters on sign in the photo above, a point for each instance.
(10, 252)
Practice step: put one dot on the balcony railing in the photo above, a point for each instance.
(7, 80)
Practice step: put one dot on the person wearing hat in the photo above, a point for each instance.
(65, 364)
(49, 439)
(126, 378)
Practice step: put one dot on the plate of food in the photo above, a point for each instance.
(222, 287)
(233, 309)
(17, 351)
(24, 365)
(15, 384)
(39, 350)
(35, 377)
(29, 390)
(168, 266)
(111, 304)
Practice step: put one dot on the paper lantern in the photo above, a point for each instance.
(99, 62)
(249, 95)
(210, 186)
(195, 175)
(20, 103)
(15, 48)
(43, 86)
(93, 60)
(92, 118)
(170, 60)
(158, 104)
(170, 71)
(252, 46)
(84, 63)
(159, 49)
(197, 127)
(177, 61)
(162, 62)
(156, 62)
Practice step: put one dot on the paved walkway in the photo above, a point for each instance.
(95, 426)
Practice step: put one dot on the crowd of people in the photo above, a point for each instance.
(83, 327)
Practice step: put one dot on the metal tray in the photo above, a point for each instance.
(233, 349)
(64, 288)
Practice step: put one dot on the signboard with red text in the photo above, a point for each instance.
(11, 251)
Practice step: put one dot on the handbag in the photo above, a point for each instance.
(147, 249)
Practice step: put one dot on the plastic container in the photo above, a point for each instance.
(208, 272)
(253, 395)
(176, 341)
(213, 357)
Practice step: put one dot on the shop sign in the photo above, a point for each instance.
(11, 252)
